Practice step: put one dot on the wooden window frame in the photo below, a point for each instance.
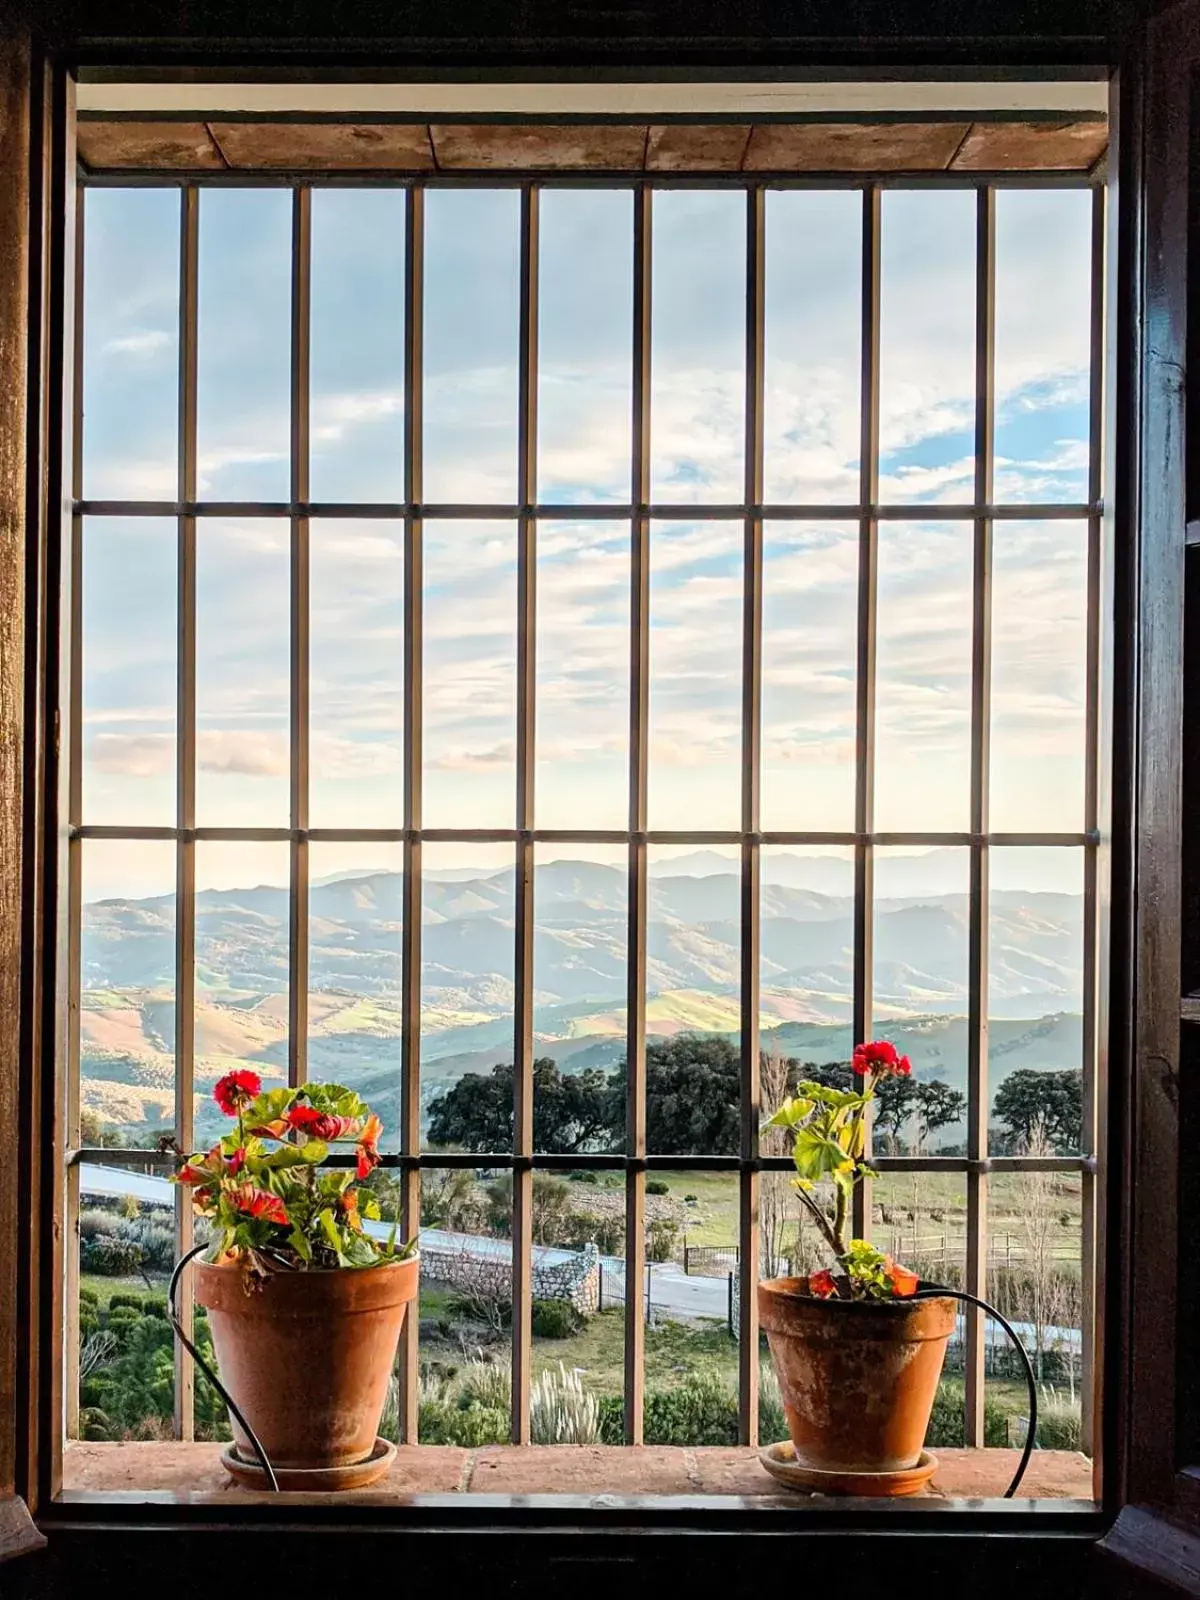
(1139, 877)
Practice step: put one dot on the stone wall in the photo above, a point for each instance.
(472, 1272)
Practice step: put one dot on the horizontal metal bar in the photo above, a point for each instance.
(663, 511)
(457, 1160)
(514, 178)
(614, 836)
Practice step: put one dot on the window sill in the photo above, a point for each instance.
(193, 1472)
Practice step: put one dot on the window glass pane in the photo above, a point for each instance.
(467, 953)
(691, 1354)
(129, 663)
(813, 346)
(698, 340)
(470, 687)
(920, 997)
(585, 344)
(472, 315)
(1035, 1000)
(923, 677)
(357, 345)
(1035, 1251)
(355, 918)
(243, 358)
(241, 970)
(693, 1006)
(1039, 676)
(580, 898)
(806, 942)
(583, 675)
(695, 675)
(127, 993)
(356, 673)
(243, 575)
(927, 346)
(1043, 340)
(809, 674)
(466, 1308)
(131, 344)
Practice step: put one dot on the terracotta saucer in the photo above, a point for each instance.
(355, 1476)
(780, 1462)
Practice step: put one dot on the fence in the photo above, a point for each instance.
(710, 1260)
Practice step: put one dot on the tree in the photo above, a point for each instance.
(693, 1089)
(1049, 1103)
(570, 1110)
(935, 1105)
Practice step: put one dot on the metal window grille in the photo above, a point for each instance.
(640, 513)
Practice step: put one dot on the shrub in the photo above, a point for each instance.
(611, 1419)
(702, 1409)
(584, 1177)
(485, 1384)
(948, 1419)
(110, 1257)
(691, 1199)
(561, 1411)
(657, 1186)
(772, 1422)
(88, 1296)
(1060, 1421)
(93, 1222)
(661, 1237)
(555, 1319)
(442, 1422)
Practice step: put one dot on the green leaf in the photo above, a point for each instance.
(790, 1113)
(310, 1153)
(300, 1244)
(329, 1228)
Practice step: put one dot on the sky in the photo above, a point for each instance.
(471, 329)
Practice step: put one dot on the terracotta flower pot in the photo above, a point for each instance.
(307, 1357)
(858, 1377)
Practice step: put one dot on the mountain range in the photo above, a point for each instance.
(693, 972)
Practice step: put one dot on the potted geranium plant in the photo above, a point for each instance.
(857, 1355)
(305, 1304)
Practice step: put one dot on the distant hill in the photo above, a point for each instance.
(693, 974)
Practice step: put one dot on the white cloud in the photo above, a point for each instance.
(236, 751)
(138, 342)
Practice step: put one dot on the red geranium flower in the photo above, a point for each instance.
(235, 1090)
(256, 1202)
(904, 1283)
(368, 1146)
(822, 1285)
(320, 1124)
(192, 1174)
(881, 1058)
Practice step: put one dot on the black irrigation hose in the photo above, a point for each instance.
(173, 1314)
(929, 1291)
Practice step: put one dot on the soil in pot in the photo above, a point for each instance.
(858, 1377)
(308, 1356)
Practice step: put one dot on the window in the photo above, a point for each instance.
(642, 629)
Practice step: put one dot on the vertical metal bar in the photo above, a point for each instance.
(57, 414)
(752, 580)
(639, 701)
(977, 933)
(522, 1218)
(410, 934)
(1091, 1185)
(298, 894)
(74, 850)
(868, 587)
(185, 778)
